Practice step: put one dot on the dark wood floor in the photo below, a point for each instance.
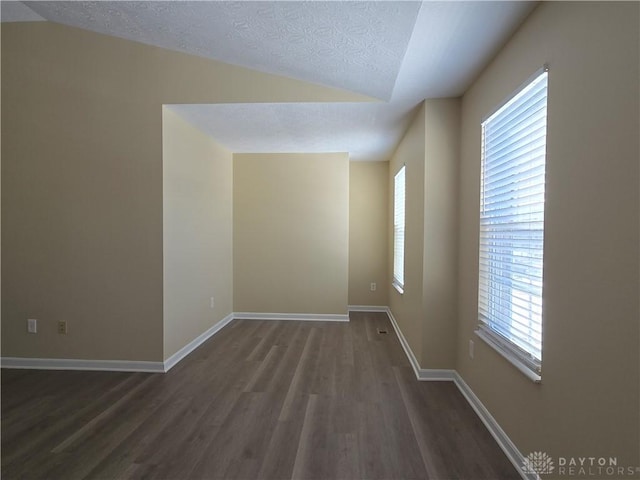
(261, 399)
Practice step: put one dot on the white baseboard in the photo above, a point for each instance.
(113, 365)
(170, 362)
(436, 375)
(368, 308)
(74, 364)
(499, 435)
(405, 345)
(305, 317)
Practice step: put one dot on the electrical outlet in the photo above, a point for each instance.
(373, 287)
(62, 327)
(471, 348)
(32, 325)
(211, 303)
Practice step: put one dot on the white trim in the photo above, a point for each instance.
(114, 365)
(499, 435)
(304, 317)
(170, 362)
(405, 345)
(76, 364)
(436, 375)
(508, 353)
(368, 308)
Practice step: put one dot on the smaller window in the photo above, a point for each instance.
(398, 230)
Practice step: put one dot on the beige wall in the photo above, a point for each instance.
(368, 240)
(440, 258)
(426, 311)
(291, 233)
(407, 307)
(587, 403)
(82, 183)
(197, 232)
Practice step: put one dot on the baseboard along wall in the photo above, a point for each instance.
(173, 360)
(304, 317)
(79, 364)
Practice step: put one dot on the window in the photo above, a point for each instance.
(398, 230)
(512, 227)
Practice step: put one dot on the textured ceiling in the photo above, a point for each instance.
(332, 43)
(399, 52)
(368, 131)
(18, 12)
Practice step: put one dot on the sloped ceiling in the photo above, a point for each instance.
(398, 53)
(18, 12)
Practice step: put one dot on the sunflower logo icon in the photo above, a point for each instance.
(538, 462)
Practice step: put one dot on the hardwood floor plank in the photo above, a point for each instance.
(101, 417)
(347, 458)
(280, 457)
(267, 332)
(77, 462)
(50, 427)
(281, 377)
(300, 377)
(240, 440)
(22, 410)
(304, 451)
(267, 365)
(430, 463)
(105, 437)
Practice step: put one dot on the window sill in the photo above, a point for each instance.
(509, 356)
(398, 287)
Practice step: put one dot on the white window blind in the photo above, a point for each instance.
(512, 226)
(398, 229)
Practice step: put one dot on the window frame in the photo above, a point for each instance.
(523, 359)
(399, 214)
